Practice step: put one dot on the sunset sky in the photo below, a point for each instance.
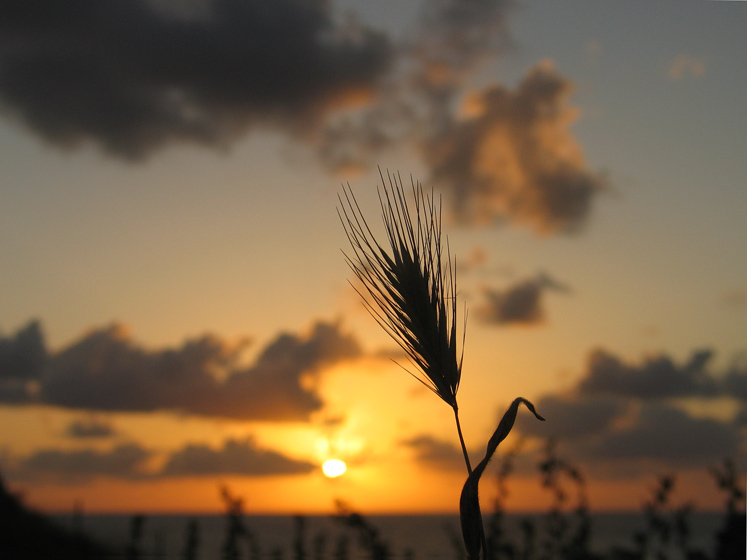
(176, 312)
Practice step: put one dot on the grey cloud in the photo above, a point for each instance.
(415, 99)
(510, 157)
(133, 77)
(440, 454)
(236, 457)
(455, 35)
(22, 360)
(741, 418)
(656, 378)
(106, 371)
(620, 419)
(668, 434)
(515, 158)
(436, 453)
(517, 304)
(90, 429)
(22, 356)
(571, 418)
(620, 436)
(124, 461)
(735, 381)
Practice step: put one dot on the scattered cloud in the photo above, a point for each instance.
(621, 419)
(572, 418)
(236, 457)
(416, 97)
(128, 461)
(132, 76)
(513, 158)
(22, 356)
(106, 371)
(686, 67)
(455, 35)
(435, 453)
(90, 428)
(657, 377)
(667, 434)
(508, 156)
(735, 381)
(517, 304)
(124, 461)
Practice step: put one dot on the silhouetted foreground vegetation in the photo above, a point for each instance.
(564, 532)
(567, 529)
(26, 535)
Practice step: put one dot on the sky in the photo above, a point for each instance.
(177, 313)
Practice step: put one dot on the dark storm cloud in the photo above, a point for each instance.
(90, 429)
(133, 77)
(518, 304)
(106, 371)
(656, 378)
(82, 465)
(236, 457)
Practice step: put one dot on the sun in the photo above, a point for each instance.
(334, 468)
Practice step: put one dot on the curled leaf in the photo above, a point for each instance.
(469, 502)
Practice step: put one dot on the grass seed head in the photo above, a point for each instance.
(411, 284)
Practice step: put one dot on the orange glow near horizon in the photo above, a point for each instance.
(372, 408)
(370, 490)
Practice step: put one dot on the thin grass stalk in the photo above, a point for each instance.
(461, 441)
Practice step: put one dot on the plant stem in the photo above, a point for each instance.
(461, 439)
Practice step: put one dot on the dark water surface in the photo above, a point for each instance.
(324, 537)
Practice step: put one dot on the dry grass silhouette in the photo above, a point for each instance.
(411, 284)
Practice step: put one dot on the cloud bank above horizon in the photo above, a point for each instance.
(106, 371)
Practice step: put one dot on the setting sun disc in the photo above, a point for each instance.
(333, 468)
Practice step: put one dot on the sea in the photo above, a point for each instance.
(406, 537)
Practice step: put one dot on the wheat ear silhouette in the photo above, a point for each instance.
(409, 287)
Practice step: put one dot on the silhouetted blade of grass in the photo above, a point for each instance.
(469, 502)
